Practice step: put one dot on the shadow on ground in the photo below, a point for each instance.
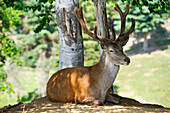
(44, 105)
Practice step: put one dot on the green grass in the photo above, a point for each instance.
(147, 78)
(27, 76)
(4, 100)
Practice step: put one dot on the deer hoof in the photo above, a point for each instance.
(112, 99)
(98, 102)
(93, 102)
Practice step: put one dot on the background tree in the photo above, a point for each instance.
(101, 14)
(70, 36)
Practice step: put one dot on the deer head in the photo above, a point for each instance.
(113, 48)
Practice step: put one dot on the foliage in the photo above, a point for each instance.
(44, 10)
(39, 17)
(145, 20)
(152, 5)
(146, 16)
(89, 12)
(46, 7)
(91, 52)
(32, 43)
(91, 46)
(9, 17)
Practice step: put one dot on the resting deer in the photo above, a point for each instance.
(90, 85)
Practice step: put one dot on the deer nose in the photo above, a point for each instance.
(127, 60)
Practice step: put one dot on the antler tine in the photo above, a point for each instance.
(130, 30)
(113, 33)
(123, 16)
(95, 31)
(79, 15)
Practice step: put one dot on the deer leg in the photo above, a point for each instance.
(76, 99)
(112, 99)
(90, 101)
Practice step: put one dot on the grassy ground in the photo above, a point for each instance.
(28, 80)
(27, 76)
(146, 78)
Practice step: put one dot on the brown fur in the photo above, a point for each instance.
(73, 84)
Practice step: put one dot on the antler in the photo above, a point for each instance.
(79, 15)
(124, 35)
(123, 16)
(112, 30)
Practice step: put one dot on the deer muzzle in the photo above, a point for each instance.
(126, 60)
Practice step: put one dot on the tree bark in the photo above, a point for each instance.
(70, 36)
(102, 25)
(145, 43)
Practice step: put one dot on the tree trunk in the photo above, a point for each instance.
(70, 36)
(102, 25)
(145, 43)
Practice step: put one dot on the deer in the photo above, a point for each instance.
(90, 85)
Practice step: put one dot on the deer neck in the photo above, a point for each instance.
(108, 69)
(106, 63)
(105, 73)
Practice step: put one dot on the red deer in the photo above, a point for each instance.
(90, 85)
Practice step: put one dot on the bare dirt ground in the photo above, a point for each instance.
(43, 105)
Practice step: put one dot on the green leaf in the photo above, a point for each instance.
(145, 30)
(50, 1)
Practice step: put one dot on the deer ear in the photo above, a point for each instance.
(102, 45)
(123, 41)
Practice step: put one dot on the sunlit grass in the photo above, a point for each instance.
(147, 78)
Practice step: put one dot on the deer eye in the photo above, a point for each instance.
(111, 50)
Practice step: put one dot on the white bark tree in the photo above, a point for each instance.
(145, 43)
(102, 25)
(70, 36)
